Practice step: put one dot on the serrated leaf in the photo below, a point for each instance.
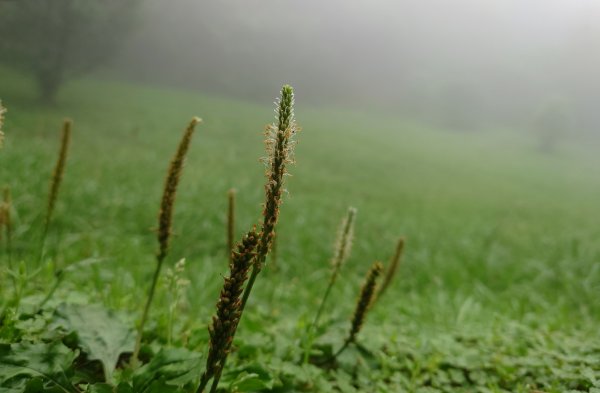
(248, 379)
(24, 361)
(101, 333)
(174, 366)
(250, 382)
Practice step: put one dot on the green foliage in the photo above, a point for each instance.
(24, 365)
(101, 334)
(498, 291)
(169, 369)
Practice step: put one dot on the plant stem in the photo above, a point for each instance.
(138, 341)
(230, 222)
(58, 279)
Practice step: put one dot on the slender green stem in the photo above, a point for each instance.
(58, 279)
(230, 222)
(323, 301)
(248, 287)
(138, 341)
(342, 250)
(342, 349)
(217, 377)
(313, 326)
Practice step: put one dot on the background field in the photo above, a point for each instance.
(498, 288)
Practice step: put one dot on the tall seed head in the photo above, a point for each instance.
(165, 214)
(394, 263)
(224, 323)
(344, 241)
(59, 168)
(280, 144)
(365, 300)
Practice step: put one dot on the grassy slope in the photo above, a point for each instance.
(500, 238)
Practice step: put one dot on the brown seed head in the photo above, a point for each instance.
(394, 263)
(279, 143)
(165, 214)
(365, 300)
(344, 241)
(59, 168)
(224, 323)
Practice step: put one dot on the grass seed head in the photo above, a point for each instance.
(229, 306)
(59, 169)
(393, 267)
(165, 214)
(365, 300)
(280, 144)
(344, 240)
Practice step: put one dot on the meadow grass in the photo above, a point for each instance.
(502, 240)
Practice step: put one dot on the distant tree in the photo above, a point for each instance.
(56, 40)
(551, 123)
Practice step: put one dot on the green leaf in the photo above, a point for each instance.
(23, 361)
(248, 379)
(100, 388)
(108, 388)
(173, 366)
(101, 333)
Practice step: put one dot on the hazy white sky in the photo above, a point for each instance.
(515, 52)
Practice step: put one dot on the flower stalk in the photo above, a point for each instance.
(280, 145)
(165, 221)
(393, 267)
(229, 310)
(364, 303)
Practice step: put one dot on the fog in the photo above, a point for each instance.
(465, 64)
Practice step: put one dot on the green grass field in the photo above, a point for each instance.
(498, 291)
